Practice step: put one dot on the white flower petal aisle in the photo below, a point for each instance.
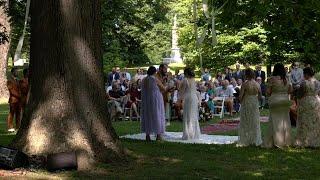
(177, 137)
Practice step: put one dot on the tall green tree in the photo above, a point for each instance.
(238, 40)
(135, 32)
(4, 47)
(284, 31)
(16, 12)
(294, 30)
(67, 108)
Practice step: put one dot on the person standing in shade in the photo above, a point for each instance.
(296, 77)
(162, 76)
(260, 73)
(278, 90)
(238, 74)
(152, 110)
(191, 103)
(14, 101)
(262, 101)
(308, 119)
(24, 87)
(249, 130)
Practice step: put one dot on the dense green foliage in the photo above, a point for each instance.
(135, 32)
(294, 28)
(16, 11)
(138, 32)
(256, 32)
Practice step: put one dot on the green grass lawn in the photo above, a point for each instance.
(162, 160)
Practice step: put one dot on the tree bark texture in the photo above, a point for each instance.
(4, 50)
(67, 108)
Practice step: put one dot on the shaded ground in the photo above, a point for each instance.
(162, 160)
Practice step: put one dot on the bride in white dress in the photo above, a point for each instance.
(191, 101)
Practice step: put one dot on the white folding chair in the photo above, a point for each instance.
(218, 106)
(126, 110)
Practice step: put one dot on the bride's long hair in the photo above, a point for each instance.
(189, 73)
(279, 70)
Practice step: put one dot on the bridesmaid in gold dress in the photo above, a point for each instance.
(308, 122)
(278, 90)
(249, 130)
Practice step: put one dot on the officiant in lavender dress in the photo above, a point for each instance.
(152, 110)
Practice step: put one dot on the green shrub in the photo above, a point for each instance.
(317, 76)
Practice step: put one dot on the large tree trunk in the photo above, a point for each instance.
(67, 108)
(4, 49)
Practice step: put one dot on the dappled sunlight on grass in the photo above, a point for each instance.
(5, 136)
(170, 160)
(161, 160)
(257, 174)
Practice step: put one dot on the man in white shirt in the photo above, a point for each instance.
(226, 91)
(127, 74)
(206, 75)
(203, 93)
(117, 82)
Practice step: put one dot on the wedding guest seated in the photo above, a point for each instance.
(211, 89)
(219, 76)
(233, 82)
(226, 91)
(116, 92)
(239, 83)
(204, 99)
(206, 75)
(134, 97)
(211, 93)
(216, 83)
(139, 84)
(262, 101)
(138, 75)
(236, 93)
(115, 100)
(236, 86)
(125, 85)
(118, 82)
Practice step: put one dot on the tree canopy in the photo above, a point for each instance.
(138, 32)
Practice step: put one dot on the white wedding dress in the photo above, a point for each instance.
(188, 92)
